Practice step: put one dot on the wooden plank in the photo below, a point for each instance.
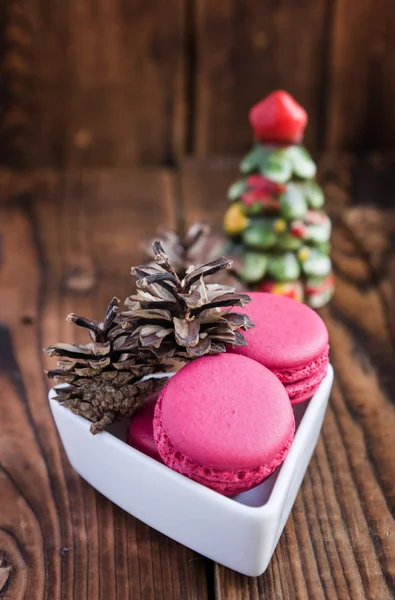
(338, 541)
(361, 89)
(204, 184)
(244, 50)
(93, 83)
(16, 83)
(68, 245)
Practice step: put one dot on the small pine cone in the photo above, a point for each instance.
(103, 380)
(102, 403)
(197, 247)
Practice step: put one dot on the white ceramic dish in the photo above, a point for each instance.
(240, 532)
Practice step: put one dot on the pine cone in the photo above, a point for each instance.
(199, 246)
(183, 318)
(103, 377)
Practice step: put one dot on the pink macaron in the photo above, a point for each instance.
(224, 421)
(290, 339)
(140, 434)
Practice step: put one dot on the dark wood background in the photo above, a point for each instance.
(126, 82)
(119, 115)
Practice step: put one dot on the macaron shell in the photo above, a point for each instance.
(225, 412)
(140, 433)
(226, 482)
(287, 334)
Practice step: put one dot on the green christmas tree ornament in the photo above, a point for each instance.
(276, 208)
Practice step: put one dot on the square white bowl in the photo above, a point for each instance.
(240, 532)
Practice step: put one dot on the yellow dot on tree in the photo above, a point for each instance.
(280, 226)
(235, 221)
(303, 254)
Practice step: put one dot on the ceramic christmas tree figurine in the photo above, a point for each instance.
(276, 218)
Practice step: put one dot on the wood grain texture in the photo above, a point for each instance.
(69, 241)
(69, 238)
(119, 83)
(361, 89)
(16, 85)
(339, 541)
(244, 50)
(93, 83)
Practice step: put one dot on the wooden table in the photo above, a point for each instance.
(69, 239)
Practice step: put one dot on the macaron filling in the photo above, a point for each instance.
(302, 390)
(297, 373)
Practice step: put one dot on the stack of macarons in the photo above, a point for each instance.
(289, 339)
(226, 421)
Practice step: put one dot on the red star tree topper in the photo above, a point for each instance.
(278, 119)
